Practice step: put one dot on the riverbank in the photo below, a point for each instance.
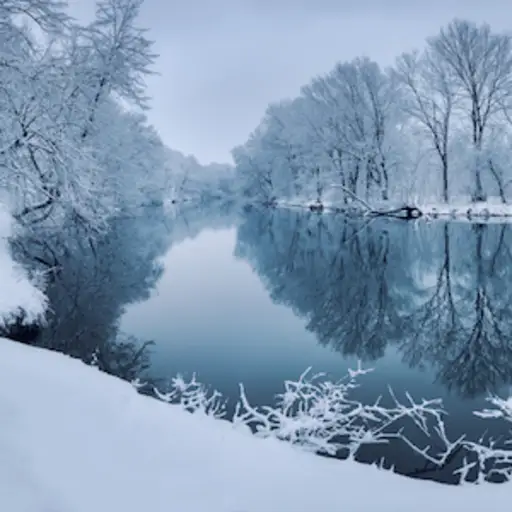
(18, 296)
(486, 211)
(464, 210)
(75, 439)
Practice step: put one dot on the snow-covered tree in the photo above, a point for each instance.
(428, 100)
(71, 141)
(479, 62)
(357, 101)
(187, 181)
(339, 131)
(121, 55)
(434, 126)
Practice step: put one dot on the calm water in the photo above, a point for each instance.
(260, 296)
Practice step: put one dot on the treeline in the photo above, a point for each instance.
(194, 183)
(74, 140)
(435, 126)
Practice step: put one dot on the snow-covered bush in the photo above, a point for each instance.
(20, 298)
(321, 416)
(193, 396)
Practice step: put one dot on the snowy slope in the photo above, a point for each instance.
(77, 440)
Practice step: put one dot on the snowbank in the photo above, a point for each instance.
(17, 293)
(74, 440)
(488, 211)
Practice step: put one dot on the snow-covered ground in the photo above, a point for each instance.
(489, 210)
(16, 291)
(74, 439)
(492, 210)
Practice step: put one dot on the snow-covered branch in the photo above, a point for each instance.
(193, 396)
(68, 148)
(321, 416)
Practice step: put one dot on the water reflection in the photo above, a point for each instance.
(439, 293)
(464, 326)
(89, 284)
(433, 296)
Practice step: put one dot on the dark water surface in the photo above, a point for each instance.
(258, 297)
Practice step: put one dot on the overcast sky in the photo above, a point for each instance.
(222, 61)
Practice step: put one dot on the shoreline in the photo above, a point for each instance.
(468, 212)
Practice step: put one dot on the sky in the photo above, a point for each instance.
(222, 61)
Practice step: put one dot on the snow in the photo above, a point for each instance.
(492, 210)
(74, 439)
(301, 203)
(17, 293)
(486, 210)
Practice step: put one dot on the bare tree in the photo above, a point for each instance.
(121, 53)
(480, 62)
(429, 99)
(49, 15)
(331, 127)
(355, 99)
(357, 129)
(378, 101)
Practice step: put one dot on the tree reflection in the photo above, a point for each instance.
(441, 293)
(465, 327)
(90, 283)
(331, 271)
(433, 318)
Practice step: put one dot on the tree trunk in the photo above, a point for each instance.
(445, 178)
(499, 181)
(478, 193)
